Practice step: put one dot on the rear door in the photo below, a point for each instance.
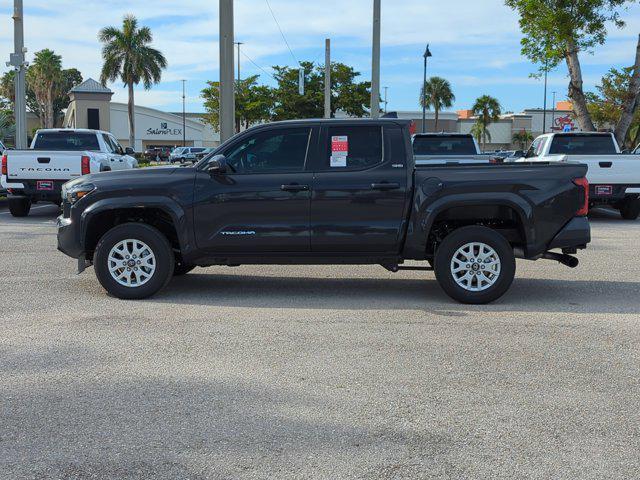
(262, 203)
(359, 189)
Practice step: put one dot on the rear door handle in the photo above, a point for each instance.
(385, 186)
(294, 187)
(606, 164)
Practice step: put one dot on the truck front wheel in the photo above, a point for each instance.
(475, 265)
(19, 207)
(133, 261)
(630, 209)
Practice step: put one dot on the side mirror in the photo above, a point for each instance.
(128, 151)
(217, 165)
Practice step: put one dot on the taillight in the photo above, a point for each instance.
(4, 164)
(85, 165)
(582, 182)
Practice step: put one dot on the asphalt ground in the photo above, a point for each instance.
(318, 372)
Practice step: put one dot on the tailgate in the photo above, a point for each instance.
(43, 164)
(610, 169)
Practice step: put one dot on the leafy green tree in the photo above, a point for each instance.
(522, 138)
(347, 95)
(253, 103)
(607, 103)
(44, 77)
(7, 126)
(127, 55)
(557, 30)
(487, 109)
(7, 91)
(436, 94)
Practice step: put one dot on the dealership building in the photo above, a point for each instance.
(91, 107)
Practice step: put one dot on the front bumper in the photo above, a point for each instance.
(575, 234)
(69, 238)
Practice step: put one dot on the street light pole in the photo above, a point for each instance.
(227, 94)
(385, 99)
(17, 61)
(544, 106)
(327, 78)
(238, 44)
(184, 122)
(553, 111)
(427, 54)
(375, 62)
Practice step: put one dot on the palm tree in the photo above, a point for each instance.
(479, 132)
(436, 93)
(44, 78)
(488, 110)
(523, 137)
(128, 56)
(7, 126)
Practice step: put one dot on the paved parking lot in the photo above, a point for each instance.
(318, 372)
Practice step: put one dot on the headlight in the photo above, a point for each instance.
(75, 192)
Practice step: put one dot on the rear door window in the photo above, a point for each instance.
(353, 148)
(75, 141)
(582, 145)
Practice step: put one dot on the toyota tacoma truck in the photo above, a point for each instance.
(55, 157)
(325, 192)
(614, 177)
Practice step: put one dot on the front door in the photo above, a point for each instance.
(359, 190)
(261, 204)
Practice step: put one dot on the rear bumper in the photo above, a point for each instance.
(575, 234)
(33, 189)
(608, 194)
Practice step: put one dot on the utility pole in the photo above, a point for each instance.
(16, 60)
(553, 111)
(238, 44)
(327, 78)
(184, 122)
(375, 62)
(385, 99)
(427, 54)
(227, 97)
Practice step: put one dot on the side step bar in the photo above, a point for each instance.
(394, 268)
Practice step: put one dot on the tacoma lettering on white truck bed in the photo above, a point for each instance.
(55, 157)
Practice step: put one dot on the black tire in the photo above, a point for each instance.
(19, 207)
(630, 209)
(157, 243)
(457, 239)
(182, 268)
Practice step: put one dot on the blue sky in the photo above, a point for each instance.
(475, 44)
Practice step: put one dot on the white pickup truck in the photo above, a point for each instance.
(55, 157)
(614, 178)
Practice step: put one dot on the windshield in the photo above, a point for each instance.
(75, 141)
(444, 145)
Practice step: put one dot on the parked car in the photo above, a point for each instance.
(153, 154)
(184, 154)
(203, 153)
(433, 148)
(56, 156)
(325, 192)
(614, 178)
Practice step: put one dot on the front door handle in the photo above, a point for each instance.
(294, 187)
(385, 186)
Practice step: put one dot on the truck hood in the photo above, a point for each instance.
(135, 180)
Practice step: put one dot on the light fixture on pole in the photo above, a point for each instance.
(427, 54)
(184, 122)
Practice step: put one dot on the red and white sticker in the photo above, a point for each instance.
(339, 150)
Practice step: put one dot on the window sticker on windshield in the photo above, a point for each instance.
(339, 151)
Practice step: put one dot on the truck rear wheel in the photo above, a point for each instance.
(475, 265)
(133, 261)
(630, 209)
(19, 207)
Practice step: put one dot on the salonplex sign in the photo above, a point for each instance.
(164, 130)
